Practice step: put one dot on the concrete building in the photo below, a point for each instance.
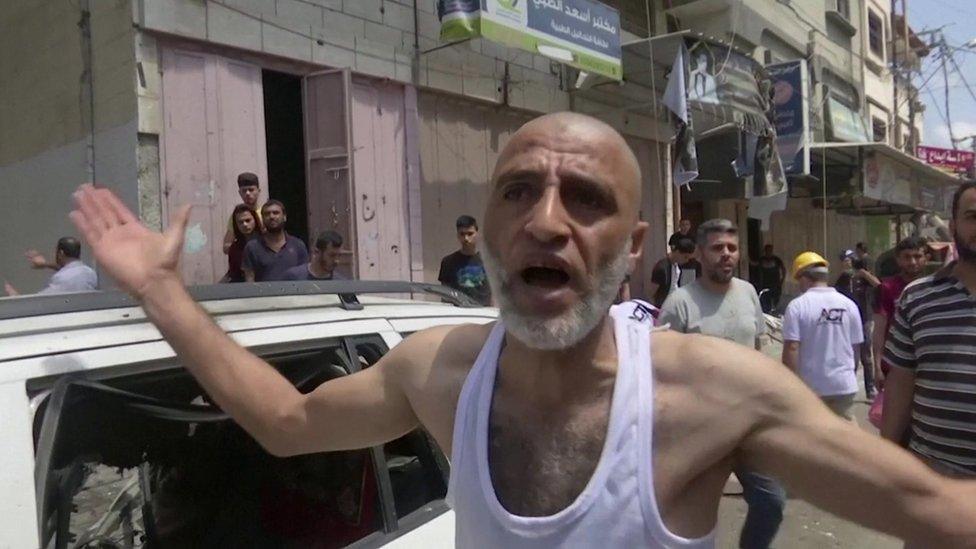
(352, 112)
(890, 58)
(855, 190)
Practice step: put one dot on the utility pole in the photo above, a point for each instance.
(896, 134)
(909, 89)
(945, 78)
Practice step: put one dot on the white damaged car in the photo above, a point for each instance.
(109, 442)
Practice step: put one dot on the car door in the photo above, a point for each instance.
(412, 471)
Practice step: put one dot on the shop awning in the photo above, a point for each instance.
(890, 181)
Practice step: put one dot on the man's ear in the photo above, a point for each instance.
(637, 243)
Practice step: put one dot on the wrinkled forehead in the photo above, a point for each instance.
(601, 155)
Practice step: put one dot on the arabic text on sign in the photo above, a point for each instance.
(551, 4)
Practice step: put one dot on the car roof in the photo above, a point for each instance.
(34, 326)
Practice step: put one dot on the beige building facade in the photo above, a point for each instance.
(351, 111)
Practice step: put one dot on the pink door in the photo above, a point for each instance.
(328, 167)
(213, 129)
(380, 183)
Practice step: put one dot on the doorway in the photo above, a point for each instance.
(284, 135)
(755, 244)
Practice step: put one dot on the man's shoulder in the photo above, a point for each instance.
(837, 300)
(298, 272)
(76, 268)
(295, 241)
(741, 286)
(252, 244)
(451, 257)
(445, 347)
(684, 293)
(700, 359)
(925, 288)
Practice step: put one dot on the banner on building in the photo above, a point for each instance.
(951, 161)
(791, 118)
(581, 33)
(685, 168)
(728, 86)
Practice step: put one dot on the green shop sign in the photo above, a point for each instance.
(582, 33)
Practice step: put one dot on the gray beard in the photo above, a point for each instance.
(565, 330)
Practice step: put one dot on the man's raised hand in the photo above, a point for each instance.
(131, 254)
(36, 259)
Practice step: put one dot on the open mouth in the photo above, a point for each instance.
(545, 277)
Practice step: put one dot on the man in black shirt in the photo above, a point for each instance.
(463, 270)
(325, 259)
(772, 273)
(861, 253)
(677, 269)
(858, 284)
(684, 231)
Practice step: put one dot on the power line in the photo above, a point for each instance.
(935, 103)
(962, 77)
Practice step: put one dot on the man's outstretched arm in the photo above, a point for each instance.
(351, 412)
(842, 469)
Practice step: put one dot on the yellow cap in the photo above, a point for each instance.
(807, 259)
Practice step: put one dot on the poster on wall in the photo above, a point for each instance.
(886, 180)
(790, 101)
(581, 33)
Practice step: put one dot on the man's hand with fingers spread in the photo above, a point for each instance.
(38, 261)
(134, 256)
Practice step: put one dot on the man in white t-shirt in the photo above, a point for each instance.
(821, 336)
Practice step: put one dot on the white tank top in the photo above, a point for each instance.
(617, 508)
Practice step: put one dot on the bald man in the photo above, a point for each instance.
(567, 422)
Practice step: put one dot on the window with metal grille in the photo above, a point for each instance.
(875, 33)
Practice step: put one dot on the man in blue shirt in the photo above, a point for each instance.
(72, 275)
(269, 256)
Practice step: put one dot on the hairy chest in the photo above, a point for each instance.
(541, 461)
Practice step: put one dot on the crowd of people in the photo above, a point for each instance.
(832, 328)
(259, 249)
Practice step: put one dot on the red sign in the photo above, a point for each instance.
(949, 160)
